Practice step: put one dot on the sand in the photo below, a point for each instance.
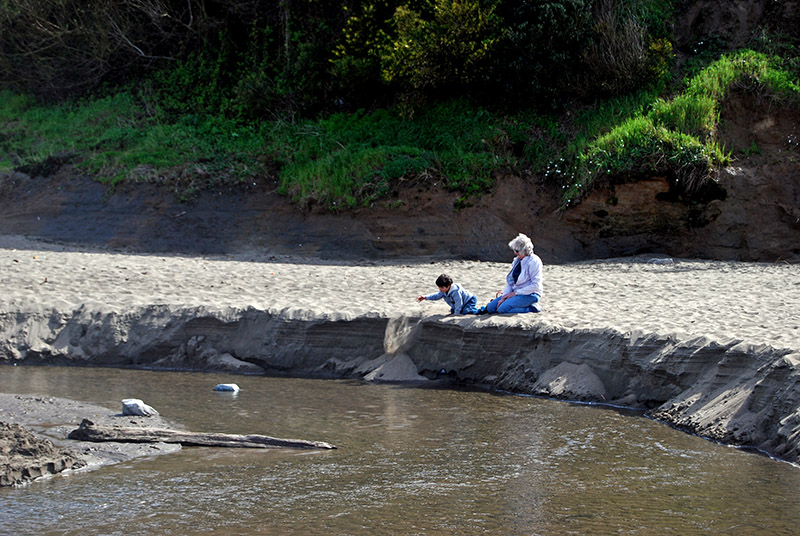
(755, 303)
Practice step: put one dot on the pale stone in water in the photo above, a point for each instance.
(227, 387)
(134, 406)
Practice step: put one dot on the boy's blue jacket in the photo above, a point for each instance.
(456, 298)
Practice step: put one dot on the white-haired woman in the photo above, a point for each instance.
(523, 288)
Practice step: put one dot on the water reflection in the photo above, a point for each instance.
(411, 461)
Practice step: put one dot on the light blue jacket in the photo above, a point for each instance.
(456, 298)
(530, 277)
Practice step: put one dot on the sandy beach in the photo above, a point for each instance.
(755, 303)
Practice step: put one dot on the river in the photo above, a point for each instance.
(410, 461)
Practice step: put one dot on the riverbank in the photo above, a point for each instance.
(708, 346)
(33, 437)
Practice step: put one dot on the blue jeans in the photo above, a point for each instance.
(469, 308)
(520, 303)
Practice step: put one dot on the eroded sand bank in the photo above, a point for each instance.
(712, 347)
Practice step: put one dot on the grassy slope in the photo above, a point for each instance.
(349, 160)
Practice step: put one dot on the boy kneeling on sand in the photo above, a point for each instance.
(460, 300)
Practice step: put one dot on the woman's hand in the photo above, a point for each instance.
(506, 296)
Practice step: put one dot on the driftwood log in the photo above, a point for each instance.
(89, 431)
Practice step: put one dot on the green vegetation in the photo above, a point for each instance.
(677, 137)
(349, 160)
(344, 104)
(112, 139)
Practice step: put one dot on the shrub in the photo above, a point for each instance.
(364, 40)
(541, 43)
(447, 52)
(622, 55)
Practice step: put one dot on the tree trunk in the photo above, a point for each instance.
(88, 431)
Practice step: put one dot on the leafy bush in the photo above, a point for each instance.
(542, 42)
(449, 51)
(365, 38)
(193, 85)
(622, 55)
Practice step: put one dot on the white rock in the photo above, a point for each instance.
(134, 406)
(227, 387)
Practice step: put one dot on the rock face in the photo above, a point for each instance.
(737, 393)
(24, 457)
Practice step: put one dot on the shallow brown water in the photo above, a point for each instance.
(410, 461)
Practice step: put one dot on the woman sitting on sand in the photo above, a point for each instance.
(523, 283)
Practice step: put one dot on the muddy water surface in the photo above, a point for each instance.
(410, 461)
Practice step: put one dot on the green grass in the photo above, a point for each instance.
(353, 160)
(113, 139)
(350, 160)
(346, 160)
(677, 137)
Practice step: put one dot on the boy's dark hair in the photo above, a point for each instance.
(444, 280)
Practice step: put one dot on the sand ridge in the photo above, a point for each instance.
(756, 303)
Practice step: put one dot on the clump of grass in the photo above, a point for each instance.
(745, 70)
(677, 137)
(350, 160)
(115, 140)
